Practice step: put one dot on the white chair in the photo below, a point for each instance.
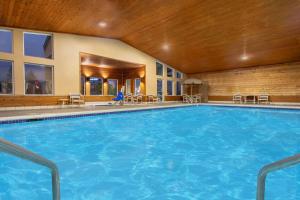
(76, 99)
(138, 98)
(196, 98)
(237, 98)
(263, 98)
(153, 99)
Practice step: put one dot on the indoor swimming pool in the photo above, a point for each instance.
(188, 153)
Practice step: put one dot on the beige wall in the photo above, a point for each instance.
(66, 60)
(281, 80)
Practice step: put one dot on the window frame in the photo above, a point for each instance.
(172, 86)
(84, 85)
(172, 72)
(162, 88)
(12, 40)
(101, 87)
(156, 69)
(181, 87)
(181, 76)
(126, 88)
(24, 81)
(12, 78)
(108, 86)
(135, 85)
(38, 33)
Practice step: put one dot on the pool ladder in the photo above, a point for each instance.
(281, 164)
(15, 150)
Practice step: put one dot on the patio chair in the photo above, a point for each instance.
(138, 98)
(185, 98)
(237, 98)
(128, 98)
(153, 99)
(263, 98)
(76, 99)
(196, 98)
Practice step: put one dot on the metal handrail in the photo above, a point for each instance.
(261, 180)
(13, 149)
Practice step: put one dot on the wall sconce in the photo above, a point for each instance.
(104, 74)
(87, 79)
(141, 74)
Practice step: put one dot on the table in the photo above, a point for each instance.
(63, 101)
(250, 99)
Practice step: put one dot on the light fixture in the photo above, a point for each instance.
(102, 24)
(165, 47)
(86, 61)
(244, 57)
(141, 74)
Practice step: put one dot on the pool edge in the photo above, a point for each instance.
(53, 116)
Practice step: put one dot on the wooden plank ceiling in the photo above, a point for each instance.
(191, 35)
(103, 62)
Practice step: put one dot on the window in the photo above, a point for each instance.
(82, 85)
(159, 85)
(5, 41)
(178, 75)
(170, 87)
(137, 86)
(159, 69)
(128, 86)
(6, 86)
(96, 86)
(112, 87)
(178, 88)
(38, 45)
(169, 72)
(38, 79)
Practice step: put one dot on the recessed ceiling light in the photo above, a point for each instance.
(165, 47)
(244, 57)
(102, 24)
(86, 62)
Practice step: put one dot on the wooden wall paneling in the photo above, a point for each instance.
(14, 101)
(281, 81)
(173, 98)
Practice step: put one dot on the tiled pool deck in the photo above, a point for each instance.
(7, 115)
(29, 114)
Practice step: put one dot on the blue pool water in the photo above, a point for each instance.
(209, 153)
